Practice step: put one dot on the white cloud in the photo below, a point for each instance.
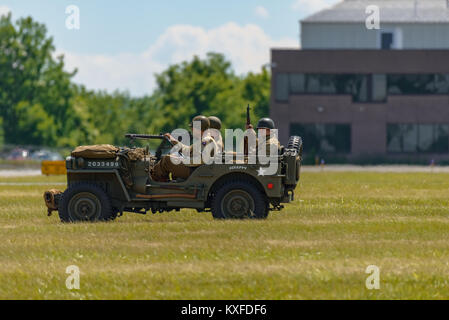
(312, 6)
(4, 10)
(126, 71)
(262, 12)
(247, 47)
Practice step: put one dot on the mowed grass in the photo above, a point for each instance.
(318, 247)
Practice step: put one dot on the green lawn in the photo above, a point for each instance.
(318, 247)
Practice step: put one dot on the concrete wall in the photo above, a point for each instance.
(356, 36)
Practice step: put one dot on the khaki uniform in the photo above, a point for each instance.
(273, 141)
(166, 165)
(219, 141)
(205, 142)
(268, 143)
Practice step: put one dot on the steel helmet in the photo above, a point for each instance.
(266, 123)
(205, 123)
(215, 122)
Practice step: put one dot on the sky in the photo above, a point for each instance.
(122, 44)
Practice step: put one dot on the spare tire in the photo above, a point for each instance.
(295, 142)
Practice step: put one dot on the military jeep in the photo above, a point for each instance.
(104, 185)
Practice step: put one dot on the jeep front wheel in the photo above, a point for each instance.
(85, 202)
(239, 200)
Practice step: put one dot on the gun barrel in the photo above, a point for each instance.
(144, 136)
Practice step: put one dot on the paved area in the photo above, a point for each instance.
(19, 172)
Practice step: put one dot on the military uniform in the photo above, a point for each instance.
(215, 127)
(166, 166)
(218, 140)
(272, 141)
(269, 141)
(264, 123)
(205, 141)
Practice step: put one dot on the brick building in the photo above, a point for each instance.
(357, 93)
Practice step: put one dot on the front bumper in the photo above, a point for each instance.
(51, 198)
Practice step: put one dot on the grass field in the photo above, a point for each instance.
(317, 248)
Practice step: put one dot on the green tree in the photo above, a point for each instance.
(32, 81)
(256, 89)
(35, 124)
(2, 135)
(105, 118)
(40, 105)
(210, 87)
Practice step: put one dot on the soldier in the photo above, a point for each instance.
(215, 126)
(266, 124)
(166, 165)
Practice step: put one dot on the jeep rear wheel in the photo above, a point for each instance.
(85, 202)
(239, 200)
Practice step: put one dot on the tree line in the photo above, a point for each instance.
(41, 105)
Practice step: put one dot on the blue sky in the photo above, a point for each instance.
(121, 44)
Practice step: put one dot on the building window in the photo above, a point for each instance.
(313, 83)
(421, 138)
(441, 84)
(324, 138)
(297, 82)
(282, 87)
(362, 94)
(328, 84)
(386, 40)
(390, 39)
(418, 84)
(362, 87)
(379, 88)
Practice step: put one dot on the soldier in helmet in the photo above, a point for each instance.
(166, 165)
(267, 125)
(215, 127)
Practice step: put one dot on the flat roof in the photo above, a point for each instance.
(391, 11)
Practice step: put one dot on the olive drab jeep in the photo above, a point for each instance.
(104, 181)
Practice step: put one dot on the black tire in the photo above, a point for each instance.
(236, 199)
(295, 142)
(85, 202)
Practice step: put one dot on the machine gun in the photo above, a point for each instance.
(135, 136)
